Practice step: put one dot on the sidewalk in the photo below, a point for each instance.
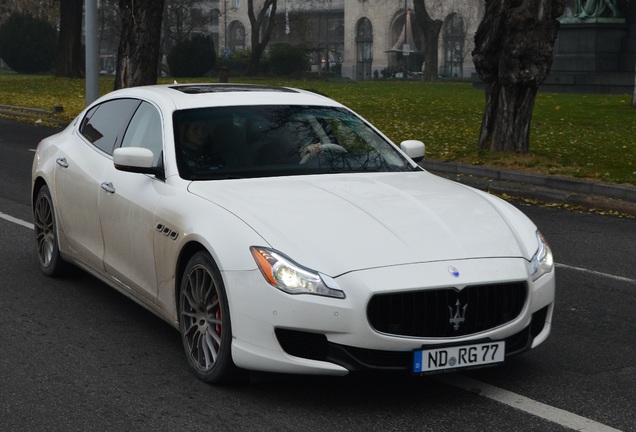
(549, 189)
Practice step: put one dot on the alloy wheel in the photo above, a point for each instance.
(201, 316)
(44, 229)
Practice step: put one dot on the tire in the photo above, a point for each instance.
(204, 321)
(46, 239)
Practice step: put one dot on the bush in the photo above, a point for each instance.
(288, 60)
(192, 57)
(28, 45)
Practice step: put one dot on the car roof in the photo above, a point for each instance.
(186, 96)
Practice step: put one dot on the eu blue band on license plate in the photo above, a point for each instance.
(460, 356)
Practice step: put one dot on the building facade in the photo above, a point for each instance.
(360, 39)
(382, 36)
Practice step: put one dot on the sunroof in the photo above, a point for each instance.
(225, 88)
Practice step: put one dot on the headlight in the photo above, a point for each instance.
(542, 261)
(290, 277)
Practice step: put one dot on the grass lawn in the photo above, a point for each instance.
(581, 136)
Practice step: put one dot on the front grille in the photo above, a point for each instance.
(446, 312)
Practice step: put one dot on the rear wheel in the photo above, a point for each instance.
(51, 262)
(204, 320)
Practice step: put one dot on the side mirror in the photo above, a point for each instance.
(414, 149)
(137, 160)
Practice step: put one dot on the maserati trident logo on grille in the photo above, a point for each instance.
(458, 315)
(453, 271)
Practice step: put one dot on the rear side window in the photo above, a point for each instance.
(104, 124)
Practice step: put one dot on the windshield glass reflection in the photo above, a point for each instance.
(253, 141)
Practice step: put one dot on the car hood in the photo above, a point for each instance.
(345, 222)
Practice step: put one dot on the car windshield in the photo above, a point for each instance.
(276, 140)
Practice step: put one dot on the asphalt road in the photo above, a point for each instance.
(75, 355)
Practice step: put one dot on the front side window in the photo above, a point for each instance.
(104, 124)
(145, 131)
(253, 141)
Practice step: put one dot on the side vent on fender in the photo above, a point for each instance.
(167, 231)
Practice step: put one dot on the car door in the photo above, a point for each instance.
(127, 209)
(79, 171)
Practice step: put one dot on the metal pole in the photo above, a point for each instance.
(225, 25)
(92, 56)
(404, 54)
(634, 97)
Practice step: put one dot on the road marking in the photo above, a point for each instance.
(547, 412)
(16, 220)
(596, 273)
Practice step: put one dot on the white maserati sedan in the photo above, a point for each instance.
(279, 231)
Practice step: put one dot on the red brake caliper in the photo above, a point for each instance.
(217, 314)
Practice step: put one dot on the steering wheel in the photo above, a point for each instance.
(331, 147)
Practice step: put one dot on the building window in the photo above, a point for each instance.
(365, 29)
(236, 32)
(454, 46)
(364, 48)
(216, 14)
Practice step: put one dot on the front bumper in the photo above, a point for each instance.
(315, 346)
(308, 334)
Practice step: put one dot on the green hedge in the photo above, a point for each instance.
(28, 45)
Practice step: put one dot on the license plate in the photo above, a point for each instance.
(456, 357)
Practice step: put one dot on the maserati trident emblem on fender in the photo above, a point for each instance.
(457, 316)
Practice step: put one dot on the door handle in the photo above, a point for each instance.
(108, 187)
(62, 162)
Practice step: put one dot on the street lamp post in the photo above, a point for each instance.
(92, 56)
(405, 47)
(225, 24)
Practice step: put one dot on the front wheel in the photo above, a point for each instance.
(51, 262)
(204, 321)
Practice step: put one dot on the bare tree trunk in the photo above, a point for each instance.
(507, 117)
(630, 13)
(138, 53)
(514, 48)
(634, 96)
(70, 62)
(431, 29)
(266, 16)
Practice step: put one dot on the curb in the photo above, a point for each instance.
(553, 189)
(34, 113)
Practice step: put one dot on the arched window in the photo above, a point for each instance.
(364, 48)
(454, 45)
(236, 37)
(216, 14)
